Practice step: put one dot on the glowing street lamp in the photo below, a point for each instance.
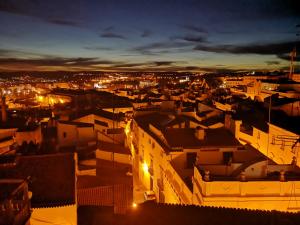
(127, 128)
(145, 167)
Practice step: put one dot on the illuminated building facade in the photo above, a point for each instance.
(185, 165)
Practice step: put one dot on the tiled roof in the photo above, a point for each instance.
(185, 137)
(98, 112)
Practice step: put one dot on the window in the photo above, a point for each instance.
(282, 145)
(149, 141)
(227, 158)
(191, 159)
(153, 144)
(64, 134)
(273, 140)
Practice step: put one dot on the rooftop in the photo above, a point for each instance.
(77, 124)
(98, 112)
(185, 137)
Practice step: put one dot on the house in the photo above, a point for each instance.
(278, 138)
(75, 135)
(108, 126)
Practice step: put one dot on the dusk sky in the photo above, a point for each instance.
(152, 35)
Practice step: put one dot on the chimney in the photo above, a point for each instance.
(199, 133)
(3, 110)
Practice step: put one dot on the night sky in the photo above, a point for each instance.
(148, 35)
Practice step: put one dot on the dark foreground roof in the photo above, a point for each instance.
(52, 178)
(163, 214)
(98, 112)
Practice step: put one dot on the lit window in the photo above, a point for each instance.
(273, 140)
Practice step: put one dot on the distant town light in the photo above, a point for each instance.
(134, 205)
(40, 98)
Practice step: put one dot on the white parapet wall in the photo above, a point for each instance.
(112, 156)
(66, 215)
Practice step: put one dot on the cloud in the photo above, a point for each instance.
(194, 28)
(191, 38)
(146, 33)
(286, 56)
(129, 65)
(45, 11)
(163, 63)
(64, 22)
(14, 8)
(52, 63)
(161, 47)
(97, 48)
(95, 64)
(147, 64)
(14, 53)
(256, 48)
(112, 35)
(271, 63)
(109, 28)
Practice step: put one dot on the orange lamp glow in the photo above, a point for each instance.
(145, 167)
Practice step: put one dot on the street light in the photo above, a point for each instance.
(145, 167)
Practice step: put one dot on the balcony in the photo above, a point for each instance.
(141, 159)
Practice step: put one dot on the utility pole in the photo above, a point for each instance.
(293, 55)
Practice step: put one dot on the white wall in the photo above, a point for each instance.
(66, 215)
(110, 156)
